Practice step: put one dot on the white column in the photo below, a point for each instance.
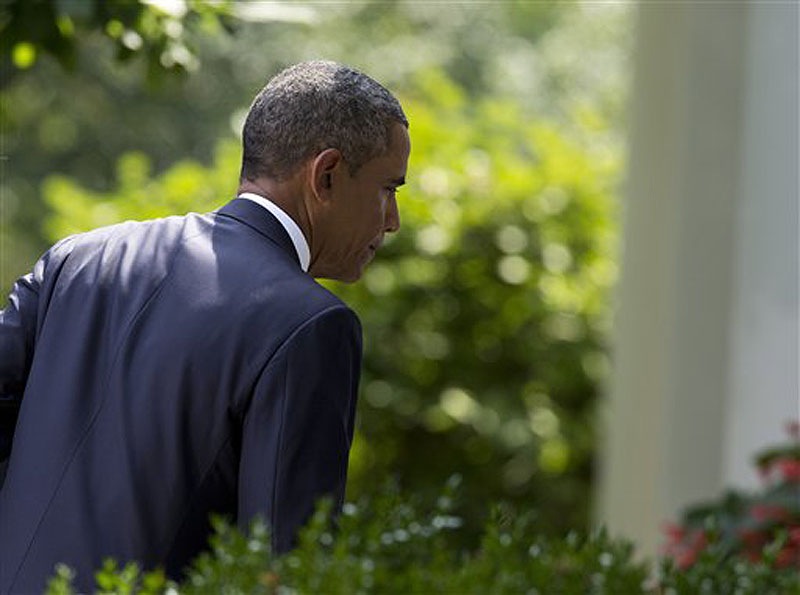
(679, 412)
(763, 374)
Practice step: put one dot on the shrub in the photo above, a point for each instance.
(393, 543)
(754, 534)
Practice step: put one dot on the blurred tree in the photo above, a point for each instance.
(154, 29)
(556, 58)
(43, 128)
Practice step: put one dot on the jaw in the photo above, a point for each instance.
(342, 277)
(347, 264)
(336, 272)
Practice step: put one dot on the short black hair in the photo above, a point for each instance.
(310, 107)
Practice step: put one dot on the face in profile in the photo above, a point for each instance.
(362, 210)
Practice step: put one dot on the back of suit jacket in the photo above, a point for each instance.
(165, 370)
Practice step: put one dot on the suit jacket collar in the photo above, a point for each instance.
(258, 218)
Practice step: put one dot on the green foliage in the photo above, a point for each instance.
(716, 571)
(395, 543)
(484, 318)
(186, 186)
(560, 60)
(134, 27)
(72, 98)
(112, 580)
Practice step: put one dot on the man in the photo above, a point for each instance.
(169, 369)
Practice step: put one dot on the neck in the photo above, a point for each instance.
(287, 194)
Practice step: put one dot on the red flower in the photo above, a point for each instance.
(685, 545)
(788, 557)
(794, 535)
(753, 539)
(789, 469)
(756, 525)
(752, 555)
(674, 532)
(686, 559)
(769, 512)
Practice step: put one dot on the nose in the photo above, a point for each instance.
(392, 219)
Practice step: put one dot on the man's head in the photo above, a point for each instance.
(314, 106)
(330, 146)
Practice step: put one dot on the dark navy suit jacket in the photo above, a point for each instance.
(163, 371)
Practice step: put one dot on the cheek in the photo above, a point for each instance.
(371, 220)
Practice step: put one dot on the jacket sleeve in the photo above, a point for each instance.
(17, 332)
(298, 429)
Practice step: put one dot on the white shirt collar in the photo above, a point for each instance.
(297, 237)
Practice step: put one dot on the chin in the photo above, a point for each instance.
(355, 275)
(343, 273)
(352, 277)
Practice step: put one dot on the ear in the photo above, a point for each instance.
(324, 168)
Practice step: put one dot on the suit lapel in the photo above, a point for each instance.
(261, 220)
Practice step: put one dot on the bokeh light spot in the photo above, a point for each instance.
(23, 55)
(514, 269)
